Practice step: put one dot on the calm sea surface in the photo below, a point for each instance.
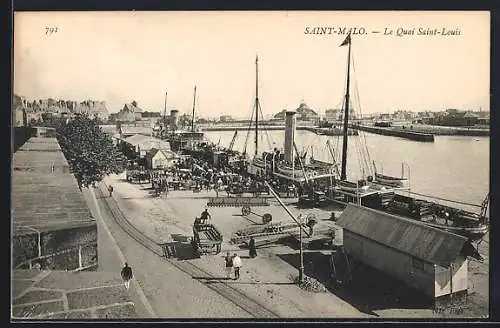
(453, 167)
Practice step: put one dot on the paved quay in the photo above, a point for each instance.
(170, 292)
(66, 295)
(268, 279)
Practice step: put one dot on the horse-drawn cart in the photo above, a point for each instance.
(206, 238)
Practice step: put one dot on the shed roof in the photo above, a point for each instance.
(47, 202)
(39, 155)
(153, 151)
(44, 198)
(147, 142)
(41, 144)
(405, 235)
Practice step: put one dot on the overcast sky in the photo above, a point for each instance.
(123, 56)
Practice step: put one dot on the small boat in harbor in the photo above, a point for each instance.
(333, 131)
(390, 181)
(469, 224)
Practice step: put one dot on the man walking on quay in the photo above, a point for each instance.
(236, 266)
(126, 275)
(229, 265)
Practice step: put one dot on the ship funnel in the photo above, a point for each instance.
(290, 123)
(173, 119)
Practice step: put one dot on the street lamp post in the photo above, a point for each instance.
(301, 254)
(298, 220)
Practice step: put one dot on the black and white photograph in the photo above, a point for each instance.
(305, 165)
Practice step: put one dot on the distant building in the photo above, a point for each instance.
(225, 118)
(303, 113)
(160, 159)
(333, 114)
(403, 115)
(140, 145)
(20, 116)
(483, 118)
(338, 114)
(130, 113)
(458, 119)
(37, 109)
(429, 260)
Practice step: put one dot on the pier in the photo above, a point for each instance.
(415, 136)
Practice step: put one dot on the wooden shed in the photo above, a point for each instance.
(427, 259)
(160, 159)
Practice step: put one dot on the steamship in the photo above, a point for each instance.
(181, 139)
(281, 165)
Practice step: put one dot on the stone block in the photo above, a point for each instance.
(24, 248)
(96, 297)
(26, 311)
(89, 255)
(122, 311)
(71, 315)
(53, 241)
(60, 262)
(37, 296)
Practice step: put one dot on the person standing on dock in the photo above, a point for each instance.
(126, 275)
(252, 249)
(110, 189)
(205, 216)
(236, 266)
(229, 265)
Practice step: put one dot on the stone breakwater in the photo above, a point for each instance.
(449, 130)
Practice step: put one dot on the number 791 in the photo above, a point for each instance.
(50, 30)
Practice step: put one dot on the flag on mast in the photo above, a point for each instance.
(347, 40)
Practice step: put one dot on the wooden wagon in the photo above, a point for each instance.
(244, 202)
(206, 238)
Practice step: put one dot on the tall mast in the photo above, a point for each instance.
(194, 104)
(347, 42)
(256, 104)
(165, 112)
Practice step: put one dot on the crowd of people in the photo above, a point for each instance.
(211, 168)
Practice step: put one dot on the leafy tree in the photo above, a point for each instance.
(90, 151)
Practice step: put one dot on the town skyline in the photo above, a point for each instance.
(320, 113)
(118, 58)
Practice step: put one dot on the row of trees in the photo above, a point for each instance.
(89, 151)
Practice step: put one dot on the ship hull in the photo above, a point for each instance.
(391, 181)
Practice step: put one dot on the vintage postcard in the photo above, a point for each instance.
(285, 164)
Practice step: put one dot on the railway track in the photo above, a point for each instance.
(238, 298)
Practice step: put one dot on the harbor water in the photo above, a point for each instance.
(452, 167)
